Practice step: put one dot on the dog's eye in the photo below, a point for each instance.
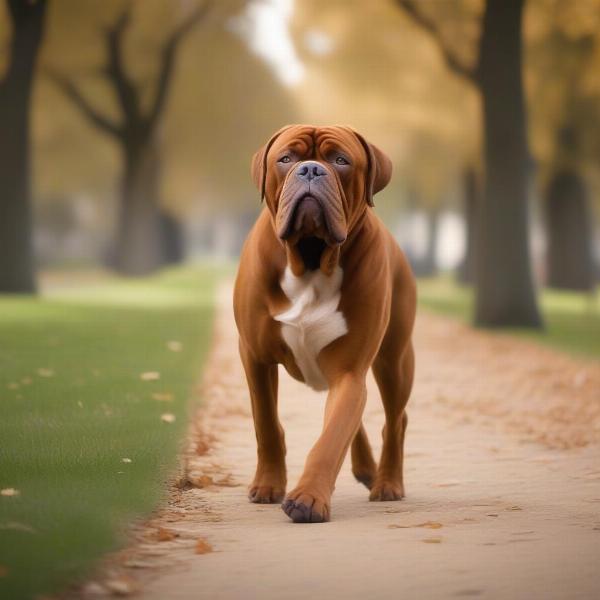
(285, 159)
(340, 160)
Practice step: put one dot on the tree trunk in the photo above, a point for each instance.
(430, 260)
(505, 288)
(16, 252)
(466, 270)
(570, 262)
(426, 265)
(139, 248)
(173, 241)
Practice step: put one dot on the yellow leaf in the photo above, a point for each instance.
(165, 535)
(150, 376)
(203, 547)
(163, 396)
(426, 525)
(45, 372)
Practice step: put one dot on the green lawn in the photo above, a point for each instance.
(84, 439)
(572, 320)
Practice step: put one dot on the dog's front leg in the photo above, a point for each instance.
(310, 500)
(270, 479)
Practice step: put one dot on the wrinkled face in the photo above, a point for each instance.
(317, 182)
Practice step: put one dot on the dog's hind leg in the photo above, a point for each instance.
(269, 482)
(364, 466)
(394, 375)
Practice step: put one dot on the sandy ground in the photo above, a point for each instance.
(502, 472)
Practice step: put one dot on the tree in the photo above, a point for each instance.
(504, 280)
(563, 57)
(16, 254)
(568, 222)
(470, 194)
(145, 238)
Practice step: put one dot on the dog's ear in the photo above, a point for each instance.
(379, 169)
(258, 168)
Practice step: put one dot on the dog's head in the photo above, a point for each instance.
(317, 182)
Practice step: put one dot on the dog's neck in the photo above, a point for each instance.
(329, 260)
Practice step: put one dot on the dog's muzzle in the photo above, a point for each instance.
(310, 205)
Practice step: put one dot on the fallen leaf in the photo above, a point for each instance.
(203, 547)
(174, 346)
(514, 508)
(93, 588)
(434, 540)
(126, 460)
(3, 571)
(492, 515)
(150, 376)
(426, 525)
(9, 492)
(227, 481)
(13, 386)
(16, 526)
(165, 535)
(45, 372)
(26, 381)
(122, 586)
(167, 417)
(201, 482)
(163, 396)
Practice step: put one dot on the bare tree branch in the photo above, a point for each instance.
(71, 91)
(169, 52)
(452, 60)
(115, 69)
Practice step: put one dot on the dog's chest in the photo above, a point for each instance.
(313, 320)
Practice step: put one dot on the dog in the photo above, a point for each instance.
(324, 290)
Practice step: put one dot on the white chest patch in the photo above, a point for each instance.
(313, 320)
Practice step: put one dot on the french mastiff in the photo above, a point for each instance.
(324, 290)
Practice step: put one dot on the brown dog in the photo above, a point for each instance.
(324, 290)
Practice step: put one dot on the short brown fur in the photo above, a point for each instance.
(378, 299)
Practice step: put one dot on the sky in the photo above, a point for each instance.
(265, 27)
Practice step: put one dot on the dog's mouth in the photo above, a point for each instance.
(307, 233)
(311, 250)
(311, 233)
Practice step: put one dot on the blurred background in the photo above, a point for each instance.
(127, 127)
(126, 133)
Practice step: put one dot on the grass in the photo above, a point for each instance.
(74, 406)
(572, 320)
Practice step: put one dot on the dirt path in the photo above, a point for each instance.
(502, 473)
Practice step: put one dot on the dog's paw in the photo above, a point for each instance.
(304, 507)
(384, 491)
(265, 494)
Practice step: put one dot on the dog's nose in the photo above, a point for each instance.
(309, 170)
